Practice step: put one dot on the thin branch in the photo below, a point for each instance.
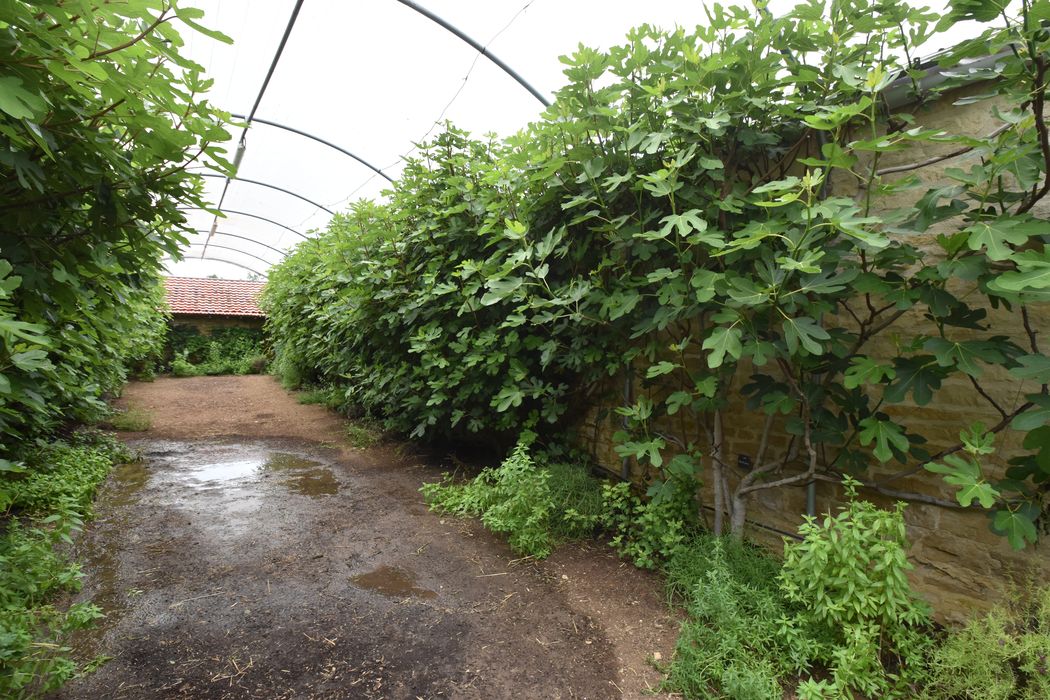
(997, 428)
(989, 399)
(911, 496)
(1038, 102)
(161, 18)
(937, 159)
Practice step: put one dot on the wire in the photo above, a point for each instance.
(482, 51)
(477, 57)
(258, 99)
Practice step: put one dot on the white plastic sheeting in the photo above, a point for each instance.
(374, 77)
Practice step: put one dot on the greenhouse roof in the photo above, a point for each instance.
(213, 297)
(331, 99)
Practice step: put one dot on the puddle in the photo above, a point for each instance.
(226, 471)
(391, 581)
(315, 482)
(301, 475)
(127, 480)
(101, 561)
(283, 461)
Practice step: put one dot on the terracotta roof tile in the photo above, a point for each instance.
(212, 297)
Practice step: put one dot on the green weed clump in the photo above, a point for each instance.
(535, 506)
(329, 397)
(45, 499)
(1002, 655)
(648, 532)
(362, 435)
(132, 420)
(225, 351)
(837, 614)
(730, 645)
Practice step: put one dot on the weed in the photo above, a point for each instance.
(362, 435)
(1002, 655)
(840, 602)
(647, 532)
(329, 397)
(849, 579)
(46, 502)
(730, 645)
(134, 420)
(536, 507)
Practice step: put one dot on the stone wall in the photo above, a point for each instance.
(205, 325)
(960, 565)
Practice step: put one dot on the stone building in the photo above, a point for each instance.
(208, 304)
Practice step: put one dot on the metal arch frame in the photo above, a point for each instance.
(232, 250)
(245, 238)
(223, 260)
(479, 48)
(272, 187)
(342, 150)
(254, 216)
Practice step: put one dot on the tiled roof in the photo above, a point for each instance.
(211, 297)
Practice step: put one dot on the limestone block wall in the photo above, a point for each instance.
(206, 325)
(960, 565)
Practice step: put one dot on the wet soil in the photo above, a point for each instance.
(252, 553)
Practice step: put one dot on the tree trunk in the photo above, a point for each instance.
(717, 473)
(738, 516)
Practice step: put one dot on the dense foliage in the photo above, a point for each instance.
(710, 212)
(535, 505)
(41, 508)
(99, 118)
(835, 618)
(751, 633)
(224, 351)
(1002, 655)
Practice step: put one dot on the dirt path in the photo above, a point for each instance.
(252, 553)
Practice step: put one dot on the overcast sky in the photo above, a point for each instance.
(373, 77)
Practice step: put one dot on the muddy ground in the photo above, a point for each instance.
(254, 553)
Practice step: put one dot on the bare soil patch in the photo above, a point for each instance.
(253, 553)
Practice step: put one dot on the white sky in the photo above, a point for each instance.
(373, 77)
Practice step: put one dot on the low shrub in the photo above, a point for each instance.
(1002, 655)
(856, 610)
(648, 532)
(225, 351)
(535, 506)
(46, 498)
(134, 420)
(836, 619)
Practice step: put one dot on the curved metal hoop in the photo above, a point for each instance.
(342, 150)
(272, 187)
(232, 250)
(479, 48)
(223, 260)
(254, 216)
(245, 238)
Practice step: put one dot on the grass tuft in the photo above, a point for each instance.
(131, 420)
(362, 435)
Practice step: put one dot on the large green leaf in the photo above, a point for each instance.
(885, 434)
(920, 376)
(998, 236)
(966, 354)
(965, 473)
(804, 331)
(722, 341)
(1017, 525)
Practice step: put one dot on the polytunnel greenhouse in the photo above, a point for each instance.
(524, 349)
